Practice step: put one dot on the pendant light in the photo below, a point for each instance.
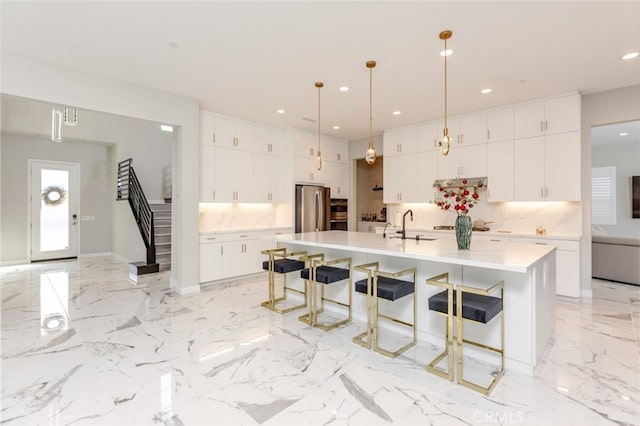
(370, 156)
(445, 142)
(319, 85)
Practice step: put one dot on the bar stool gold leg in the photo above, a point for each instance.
(442, 281)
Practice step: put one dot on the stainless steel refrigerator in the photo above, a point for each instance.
(312, 208)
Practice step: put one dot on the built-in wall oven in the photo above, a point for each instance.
(339, 214)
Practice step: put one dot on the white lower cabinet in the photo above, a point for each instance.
(567, 264)
(234, 254)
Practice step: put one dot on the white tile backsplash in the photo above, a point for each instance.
(561, 218)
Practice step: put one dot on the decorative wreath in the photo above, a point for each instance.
(54, 195)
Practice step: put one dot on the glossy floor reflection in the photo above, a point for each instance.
(82, 345)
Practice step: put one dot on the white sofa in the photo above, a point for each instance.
(616, 258)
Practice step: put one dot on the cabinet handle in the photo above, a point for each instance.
(435, 143)
(213, 195)
(211, 238)
(310, 176)
(462, 138)
(541, 192)
(243, 236)
(546, 191)
(338, 155)
(488, 134)
(495, 241)
(541, 126)
(213, 139)
(221, 250)
(541, 244)
(546, 125)
(338, 190)
(311, 152)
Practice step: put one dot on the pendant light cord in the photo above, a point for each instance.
(319, 87)
(370, 107)
(445, 83)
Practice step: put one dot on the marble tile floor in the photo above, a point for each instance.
(82, 345)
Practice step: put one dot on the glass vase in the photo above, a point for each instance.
(464, 227)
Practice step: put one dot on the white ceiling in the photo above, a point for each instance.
(246, 59)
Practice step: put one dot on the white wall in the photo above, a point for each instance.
(95, 192)
(625, 157)
(31, 78)
(612, 106)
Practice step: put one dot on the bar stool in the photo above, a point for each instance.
(280, 263)
(467, 304)
(321, 271)
(384, 285)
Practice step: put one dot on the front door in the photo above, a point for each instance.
(54, 209)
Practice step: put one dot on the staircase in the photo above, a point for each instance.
(154, 222)
(162, 227)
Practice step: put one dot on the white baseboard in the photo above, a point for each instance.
(15, 262)
(586, 293)
(89, 255)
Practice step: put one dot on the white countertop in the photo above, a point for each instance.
(505, 257)
(233, 231)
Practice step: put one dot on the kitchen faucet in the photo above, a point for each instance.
(384, 232)
(404, 234)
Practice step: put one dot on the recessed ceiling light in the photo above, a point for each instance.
(485, 91)
(630, 55)
(166, 128)
(624, 134)
(344, 89)
(280, 111)
(336, 127)
(397, 112)
(173, 45)
(447, 52)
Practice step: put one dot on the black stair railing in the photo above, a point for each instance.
(129, 188)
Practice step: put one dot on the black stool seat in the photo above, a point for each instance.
(388, 288)
(475, 307)
(326, 274)
(283, 266)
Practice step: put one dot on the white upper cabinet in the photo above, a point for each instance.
(268, 178)
(428, 137)
(207, 128)
(401, 141)
(336, 178)
(548, 168)
(400, 179)
(500, 171)
(233, 176)
(233, 133)
(553, 116)
(468, 130)
(562, 167)
(500, 125)
(304, 144)
(335, 150)
(427, 167)
(207, 173)
(268, 140)
(463, 161)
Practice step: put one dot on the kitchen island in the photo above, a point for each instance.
(528, 272)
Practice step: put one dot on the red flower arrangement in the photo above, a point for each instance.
(459, 199)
